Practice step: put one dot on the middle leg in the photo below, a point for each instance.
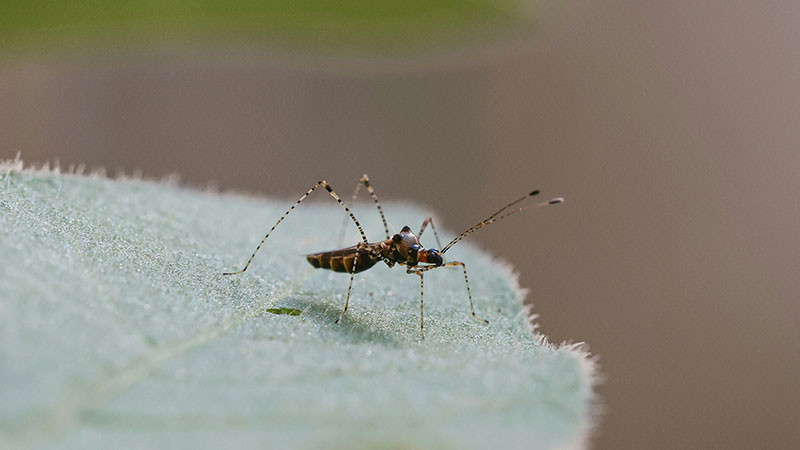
(352, 276)
(365, 181)
(347, 300)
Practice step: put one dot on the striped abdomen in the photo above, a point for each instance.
(342, 260)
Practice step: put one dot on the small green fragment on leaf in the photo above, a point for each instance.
(287, 311)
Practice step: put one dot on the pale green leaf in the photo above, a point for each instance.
(118, 329)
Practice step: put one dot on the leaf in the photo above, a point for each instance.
(118, 327)
(371, 27)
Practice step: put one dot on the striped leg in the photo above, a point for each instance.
(350, 286)
(421, 307)
(365, 181)
(427, 221)
(333, 194)
(347, 299)
(418, 270)
(466, 281)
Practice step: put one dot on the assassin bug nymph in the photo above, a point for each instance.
(403, 248)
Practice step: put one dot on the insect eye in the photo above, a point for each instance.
(396, 238)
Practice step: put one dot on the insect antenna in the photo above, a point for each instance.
(497, 216)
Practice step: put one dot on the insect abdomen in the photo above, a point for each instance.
(342, 260)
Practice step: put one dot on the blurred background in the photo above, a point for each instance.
(672, 128)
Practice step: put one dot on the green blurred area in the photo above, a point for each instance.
(382, 26)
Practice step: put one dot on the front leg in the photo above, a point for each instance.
(421, 302)
(466, 281)
(419, 270)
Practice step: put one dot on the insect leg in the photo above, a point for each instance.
(349, 288)
(466, 281)
(340, 242)
(316, 185)
(421, 307)
(421, 301)
(427, 221)
(365, 181)
(419, 270)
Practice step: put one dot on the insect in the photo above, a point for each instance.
(402, 248)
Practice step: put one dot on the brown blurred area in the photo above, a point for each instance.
(672, 129)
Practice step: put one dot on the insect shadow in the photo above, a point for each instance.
(325, 313)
